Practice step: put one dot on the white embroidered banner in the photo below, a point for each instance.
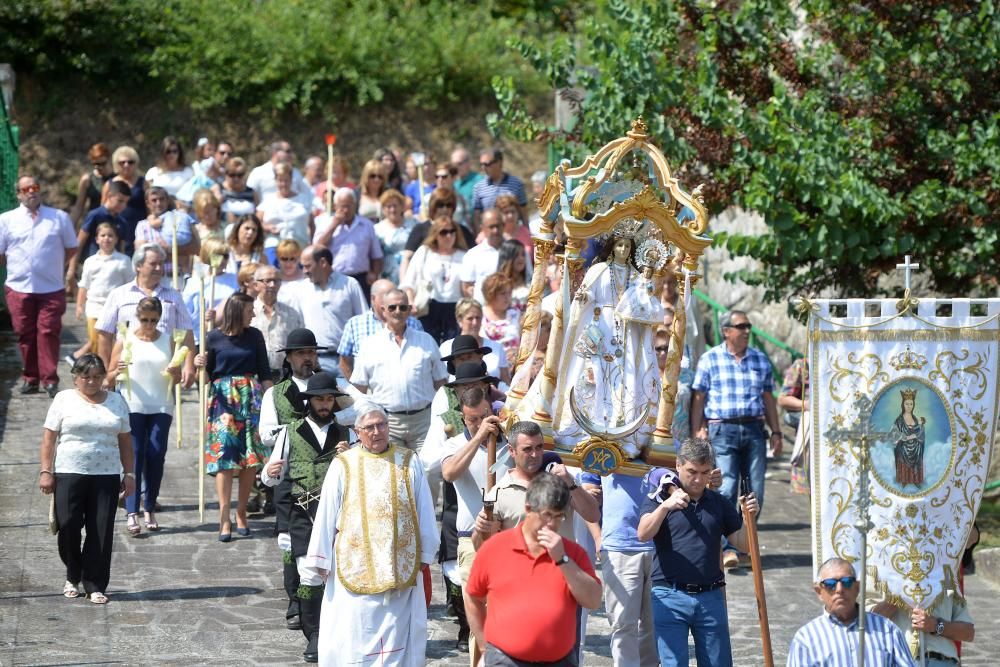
(922, 387)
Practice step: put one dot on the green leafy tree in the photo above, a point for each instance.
(861, 131)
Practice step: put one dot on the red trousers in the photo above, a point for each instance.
(37, 320)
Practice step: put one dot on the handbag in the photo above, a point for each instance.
(422, 297)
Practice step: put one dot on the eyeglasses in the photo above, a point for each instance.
(742, 326)
(401, 307)
(484, 165)
(831, 584)
(288, 259)
(149, 320)
(377, 426)
(662, 349)
(175, 151)
(126, 162)
(378, 176)
(444, 205)
(446, 175)
(32, 189)
(447, 232)
(236, 174)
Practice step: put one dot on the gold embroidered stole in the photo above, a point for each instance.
(378, 541)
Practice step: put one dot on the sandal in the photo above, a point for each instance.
(70, 590)
(151, 523)
(133, 525)
(98, 598)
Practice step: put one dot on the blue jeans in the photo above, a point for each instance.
(740, 451)
(150, 441)
(675, 613)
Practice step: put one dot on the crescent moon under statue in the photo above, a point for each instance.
(618, 433)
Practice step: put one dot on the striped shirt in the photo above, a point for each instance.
(121, 303)
(733, 388)
(485, 191)
(826, 642)
(362, 326)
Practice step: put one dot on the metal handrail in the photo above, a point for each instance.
(757, 336)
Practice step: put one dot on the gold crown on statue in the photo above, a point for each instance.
(908, 359)
(909, 394)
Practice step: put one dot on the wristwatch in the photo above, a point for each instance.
(563, 560)
(939, 629)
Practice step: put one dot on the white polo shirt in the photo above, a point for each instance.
(399, 377)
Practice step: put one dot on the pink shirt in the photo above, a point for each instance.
(35, 247)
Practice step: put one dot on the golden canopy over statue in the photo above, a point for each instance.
(600, 397)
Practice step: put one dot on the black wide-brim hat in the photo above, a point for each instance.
(301, 339)
(464, 344)
(325, 384)
(472, 371)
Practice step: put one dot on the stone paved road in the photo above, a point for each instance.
(179, 597)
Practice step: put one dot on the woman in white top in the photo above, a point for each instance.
(138, 364)
(435, 268)
(392, 232)
(85, 446)
(284, 216)
(469, 316)
(170, 172)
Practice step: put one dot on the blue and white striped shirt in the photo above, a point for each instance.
(826, 642)
(733, 388)
(485, 191)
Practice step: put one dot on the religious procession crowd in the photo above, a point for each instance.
(356, 341)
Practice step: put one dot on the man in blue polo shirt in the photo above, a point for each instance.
(496, 183)
(687, 526)
(732, 397)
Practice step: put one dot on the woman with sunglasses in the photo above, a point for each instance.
(289, 267)
(138, 364)
(85, 446)
(444, 179)
(441, 202)
(88, 192)
(125, 162)
(237, 365)
(435, 268)
(393, 231)
(170, 171)
(237, 198)
(370, 188)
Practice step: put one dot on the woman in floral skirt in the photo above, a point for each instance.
(237, 366)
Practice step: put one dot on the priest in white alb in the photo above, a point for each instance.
(374, 533)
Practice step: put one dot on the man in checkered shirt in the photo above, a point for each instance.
(732, 398)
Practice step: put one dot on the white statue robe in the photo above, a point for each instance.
(388, 628)
(620, 388)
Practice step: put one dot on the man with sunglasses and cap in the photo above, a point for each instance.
(36, 242)
(732, 397)
(282, 404)
(303, 452)
(400, 369)
(831, 640)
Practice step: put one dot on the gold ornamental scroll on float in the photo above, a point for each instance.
(599, 395)
(918, 379)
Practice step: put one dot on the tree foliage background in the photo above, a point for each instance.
(861, 131)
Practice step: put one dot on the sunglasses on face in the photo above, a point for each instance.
(447, 232)
(126, 162)
(743, 326)
(149, 320)
(401, 307)
(378, 176)
(174, 151)
(444, 206)
(237, 174)
(831, 584)
(288, 259)
(441, 175)
(484, 165)
(662, 349)
(30, 189)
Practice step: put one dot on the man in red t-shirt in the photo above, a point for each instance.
(532, 582)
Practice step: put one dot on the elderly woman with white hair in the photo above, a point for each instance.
(351, 238)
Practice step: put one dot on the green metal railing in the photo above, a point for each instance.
(9, 141)
(759, 339)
